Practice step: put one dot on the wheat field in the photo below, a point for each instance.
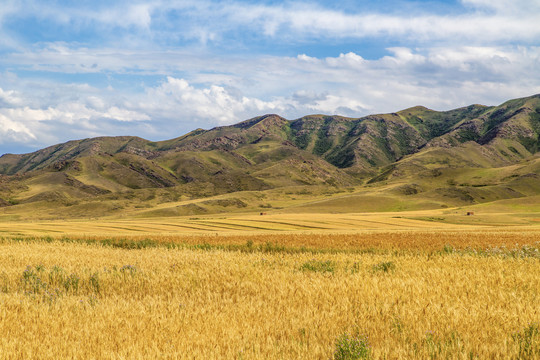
(410, 294)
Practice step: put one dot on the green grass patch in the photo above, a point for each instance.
(384, 267)
(327, 266)
(528, 341)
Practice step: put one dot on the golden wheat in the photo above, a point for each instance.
(185, 303)
(333, 223)
(425, 241)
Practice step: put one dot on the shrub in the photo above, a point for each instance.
(71, 283)
(94, 283)
(31, 281)
(352, 348)
(318, 266)
(56, 275)
(528, 341)
(448, 249)
(4, 283)
(128, 269)
(384, 266)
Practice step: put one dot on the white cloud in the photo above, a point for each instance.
(13, 131)
(43, 126)
(69, 113)
(119, 114)
(212, 104)
(9, 98)
(215, 105)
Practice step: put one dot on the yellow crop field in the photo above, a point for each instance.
(392, 294)
(221, 224)
(431, 220)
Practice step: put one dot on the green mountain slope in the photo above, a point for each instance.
(415, 158)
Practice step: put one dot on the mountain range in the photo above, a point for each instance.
(413, 159)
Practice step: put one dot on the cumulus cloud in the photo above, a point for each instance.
(28, 125)
(69, 113)
(13, 131)
(212, 104)
(216, 105)
(9, 98)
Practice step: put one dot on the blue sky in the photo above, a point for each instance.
(158, 69)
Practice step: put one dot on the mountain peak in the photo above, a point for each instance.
(267, 120)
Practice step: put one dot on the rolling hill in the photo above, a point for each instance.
(416, 158)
